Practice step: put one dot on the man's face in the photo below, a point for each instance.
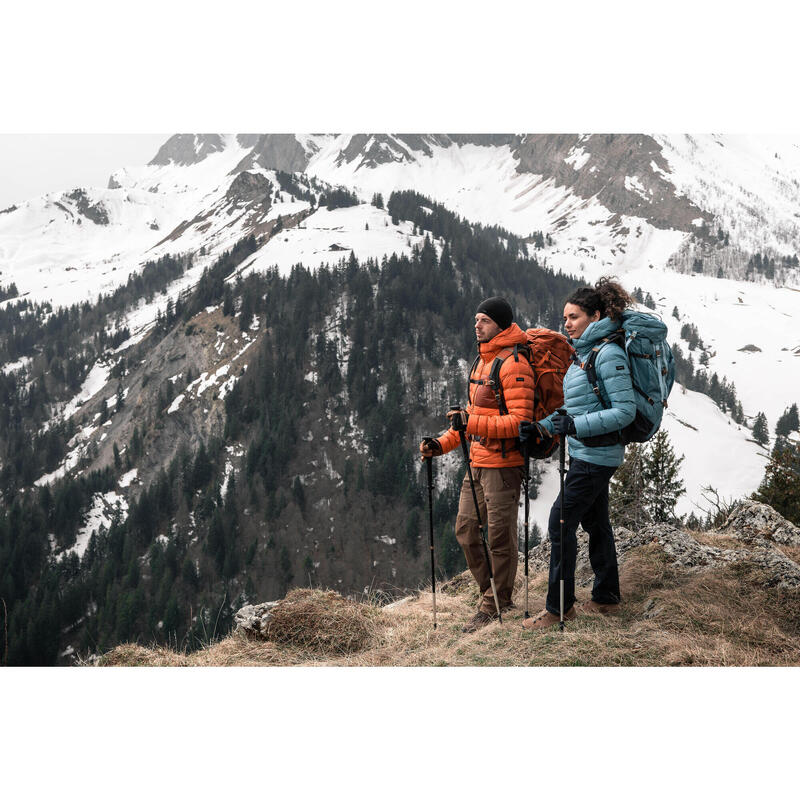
(485, 328)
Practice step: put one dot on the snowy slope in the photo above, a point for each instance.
(482, 184)
(750, 183)
(328, 236)
(53, 252)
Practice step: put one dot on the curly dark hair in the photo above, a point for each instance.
(607, 296)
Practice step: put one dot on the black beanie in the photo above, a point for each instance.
(498, 310)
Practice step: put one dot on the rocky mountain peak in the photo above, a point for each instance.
(279, 151)
(188, 148)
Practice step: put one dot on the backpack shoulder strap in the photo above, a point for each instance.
(618, 337)
(494, 376)
(472, 369)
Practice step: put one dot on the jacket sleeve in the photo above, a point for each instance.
(517, 380)
(449, 440)
(547, 422)
(614, 379)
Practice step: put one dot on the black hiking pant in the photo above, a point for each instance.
(586, 504)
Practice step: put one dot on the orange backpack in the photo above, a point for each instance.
(550, 355)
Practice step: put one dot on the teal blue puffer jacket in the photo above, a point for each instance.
(591, 419)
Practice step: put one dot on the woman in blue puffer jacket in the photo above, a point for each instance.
(590, 315)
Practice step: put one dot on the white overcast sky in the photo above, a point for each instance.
(32, 164)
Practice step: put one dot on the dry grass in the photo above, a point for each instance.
(790, 552)
(720, 617)
(714, 539)
(323, 622)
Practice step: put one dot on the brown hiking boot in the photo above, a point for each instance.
(544, 619)
(606, 609)
(480, 620)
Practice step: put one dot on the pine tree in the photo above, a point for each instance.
(627, 491)
(761, 429)
(660, 468)
(781, 485)
(788, 421)
(299, 493)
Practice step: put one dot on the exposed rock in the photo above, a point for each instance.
(750, 521)
(188, 148)
(253, 620)
(279, 151)
(749, 348)
(95, 212)
(8, 210)
(372, 149)
(249, 186)
(113, 183)
(248, 139)
(627, 173)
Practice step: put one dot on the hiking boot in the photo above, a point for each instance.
(606, 609)
(480, 620)
(509, 606)
(544, 619)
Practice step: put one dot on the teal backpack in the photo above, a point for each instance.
(643, 337)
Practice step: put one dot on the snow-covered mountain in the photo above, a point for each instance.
(679, 216)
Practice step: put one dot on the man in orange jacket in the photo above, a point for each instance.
(491, 422)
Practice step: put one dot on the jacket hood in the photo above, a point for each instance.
(512, 335)
(594, 332)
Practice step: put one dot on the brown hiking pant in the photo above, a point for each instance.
(497, 490)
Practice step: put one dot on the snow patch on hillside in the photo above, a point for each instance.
(94, 382)
(327, 237)
(99, 517)
(577, 158)
(128, 478)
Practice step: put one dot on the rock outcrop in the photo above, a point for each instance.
(758, 527)
(188, 148)
(94, 212)
(253, 619)
(247, 187)
(751, 521)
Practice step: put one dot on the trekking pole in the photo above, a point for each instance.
(478, 513)
(430, 509)
(527, 479)
(561, 460)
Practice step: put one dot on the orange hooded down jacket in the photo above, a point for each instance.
(494, 435)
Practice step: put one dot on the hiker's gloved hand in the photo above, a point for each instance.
(430, 447)
(458, 419)
(564, 424)
(532, 430)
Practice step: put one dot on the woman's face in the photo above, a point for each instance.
(576, 320)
